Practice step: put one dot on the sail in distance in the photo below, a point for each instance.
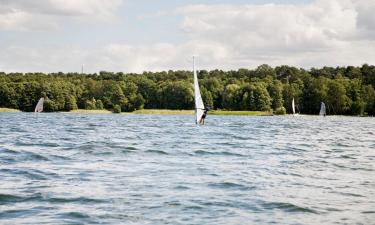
(39, 106)
(199, 106)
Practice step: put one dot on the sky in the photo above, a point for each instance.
(156, 35)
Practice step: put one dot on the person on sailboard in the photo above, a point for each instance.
(203, 116)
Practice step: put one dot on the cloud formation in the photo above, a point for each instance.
(26, 15)
(324, 32)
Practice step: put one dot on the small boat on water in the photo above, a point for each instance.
(39, 106)
(322, 109)
(199, 106)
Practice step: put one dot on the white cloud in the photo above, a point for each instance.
(26, 15)
(324, 32)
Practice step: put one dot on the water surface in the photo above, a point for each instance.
(63, 168)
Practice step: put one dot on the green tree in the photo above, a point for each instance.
(70, 103)
(275, 90)
(230, 97)
(336, 97)
(368, 94)
(176, 95)
(99, 104)
(254, 97)
(117, 109)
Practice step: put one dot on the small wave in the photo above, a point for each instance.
(351, 194)
(288, 207)
(173, 203)
(82, 200)
(368, 212)
(88, 146)
(74, 215)
(35, 157)
(130, 149)
(30, 173)
(192, 207)
(157, 152)
(8, 198)
(203, 152)
(103, 153)
(347, 157)
(8, 151)
(15, 213)
(5, 198)
(229, 185)
(181, 187)
(60, 157)
(49, 144)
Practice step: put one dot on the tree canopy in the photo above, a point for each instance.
(345, 90)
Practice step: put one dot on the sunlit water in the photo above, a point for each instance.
(151, 169)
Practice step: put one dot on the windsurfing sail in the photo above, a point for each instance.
(293, 108)
(39, 106)
(199, 106)
(322, 109)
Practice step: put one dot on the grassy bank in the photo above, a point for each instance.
(239, 113)
(90, 111)
(164, 112)
(211, 112)
(9, 110)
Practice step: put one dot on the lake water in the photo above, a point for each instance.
(63, 168)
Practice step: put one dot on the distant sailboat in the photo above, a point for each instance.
(293, 108)
(39, 106)
(322, 109)
(199, 106)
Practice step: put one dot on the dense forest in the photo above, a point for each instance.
(345, 90)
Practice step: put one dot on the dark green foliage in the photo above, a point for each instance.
(280, 111)
(275, 90)
(117, 109)
(345, 90)
(231, 97)
(254, 97)
(176, 95)
(99, 104)
(90, 104)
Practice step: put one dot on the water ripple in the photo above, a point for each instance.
(58, 168)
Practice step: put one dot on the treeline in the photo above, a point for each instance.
(345, 90)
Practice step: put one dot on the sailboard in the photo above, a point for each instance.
(293, 107)
(322, 109)
(199, 106)
(39, 106)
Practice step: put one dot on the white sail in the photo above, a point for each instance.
(39, 106)
(322, 109)
(293, 108)
(199, 106)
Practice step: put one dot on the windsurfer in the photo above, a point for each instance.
(201, 121)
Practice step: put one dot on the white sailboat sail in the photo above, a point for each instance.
(322, 109)
(293, 108)
(199, 106)
(39, 106)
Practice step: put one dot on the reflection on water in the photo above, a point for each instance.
(151, 169)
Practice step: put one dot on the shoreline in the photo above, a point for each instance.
(160, 112)
(191, 112)
(175, 112)
(8, 110)
(90, 111)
